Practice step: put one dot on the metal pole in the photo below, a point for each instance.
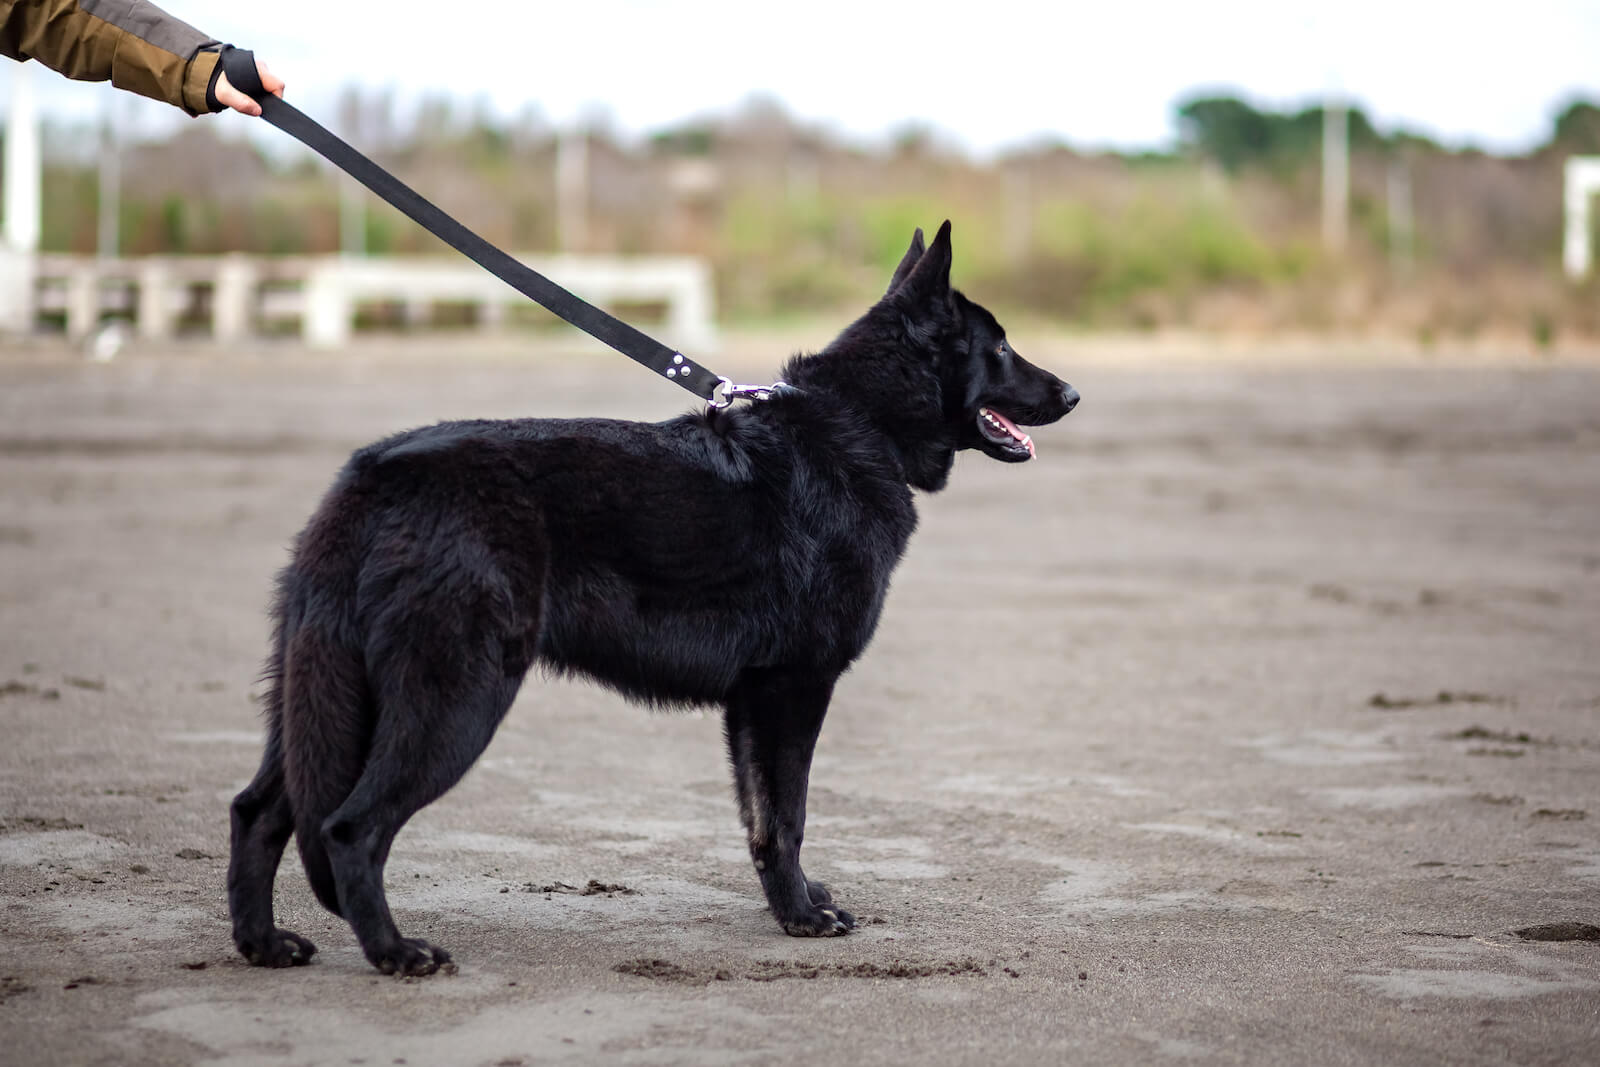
(110, 182)
(352, 217)
(1402, 222)
(572, 190)
(24, 165)
(20, 247)
(1335, 172)
(352, 195)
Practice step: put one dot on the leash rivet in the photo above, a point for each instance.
(678, 358)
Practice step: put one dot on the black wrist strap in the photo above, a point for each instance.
(240, 67)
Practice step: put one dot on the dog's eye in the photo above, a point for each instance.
(1000, 349)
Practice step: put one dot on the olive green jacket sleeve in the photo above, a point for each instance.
(133, 44)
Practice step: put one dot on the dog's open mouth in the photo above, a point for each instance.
(1011, 443)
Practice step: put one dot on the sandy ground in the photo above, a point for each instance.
(1246, 725)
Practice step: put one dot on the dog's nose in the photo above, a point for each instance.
(1069, 397)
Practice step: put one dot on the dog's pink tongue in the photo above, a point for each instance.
(1011, 428)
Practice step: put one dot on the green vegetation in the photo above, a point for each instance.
(794, 221)
(1177, 244)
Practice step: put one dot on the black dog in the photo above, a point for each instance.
(738, 557)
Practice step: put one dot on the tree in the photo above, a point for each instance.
(1578, 129)
(1225, 128)
(1237, 135)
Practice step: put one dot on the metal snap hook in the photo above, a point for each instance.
(725, 392)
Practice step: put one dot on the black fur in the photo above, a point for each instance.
(735, 557)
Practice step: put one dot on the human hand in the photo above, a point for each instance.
(231, 97)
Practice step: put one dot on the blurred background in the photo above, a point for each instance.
(1389, 170)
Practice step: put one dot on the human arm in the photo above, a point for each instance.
(131, 43)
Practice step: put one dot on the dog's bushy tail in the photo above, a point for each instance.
(326, 716)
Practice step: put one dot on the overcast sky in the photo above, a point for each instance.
(987, 74)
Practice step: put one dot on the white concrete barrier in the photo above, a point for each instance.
(336, 285)
(1582, 183)
(248, 293)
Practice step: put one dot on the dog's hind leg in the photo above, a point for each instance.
(432, 724)
(262, 822)
(773, 718)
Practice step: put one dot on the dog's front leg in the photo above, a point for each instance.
(773, 718)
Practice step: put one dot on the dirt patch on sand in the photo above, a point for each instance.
(1442, 698)
(592, 888)
(1560, 932)
(780, 970)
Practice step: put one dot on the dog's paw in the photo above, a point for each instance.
(819, 894)
(411, 957)
(280, 948)
(826, 921)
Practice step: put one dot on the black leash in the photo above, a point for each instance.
(240, 67)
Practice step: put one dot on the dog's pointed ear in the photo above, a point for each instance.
(930, 278)
(908, 261)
